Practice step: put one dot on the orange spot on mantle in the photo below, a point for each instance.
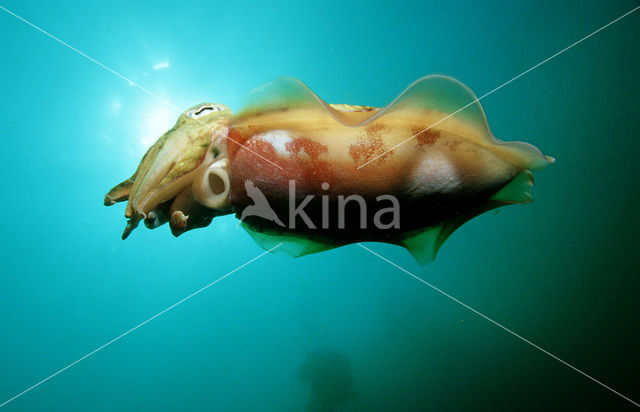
(370, 145)
(427, 137)
(312, 148)
(367, 148)
(306, 163)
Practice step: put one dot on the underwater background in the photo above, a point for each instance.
(341, 330)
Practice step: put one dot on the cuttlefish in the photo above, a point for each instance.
(315, 176)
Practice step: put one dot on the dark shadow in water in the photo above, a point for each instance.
(329, 376)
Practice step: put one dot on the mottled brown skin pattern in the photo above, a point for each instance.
(415, 213)
(425, 138)
(441, 170)
(309, 163)
(367, 148)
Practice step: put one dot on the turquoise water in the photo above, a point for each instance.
(342, 330)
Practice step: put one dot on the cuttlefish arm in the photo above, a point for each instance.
(120, 192)
(160, 190)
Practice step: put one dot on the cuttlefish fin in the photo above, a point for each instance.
(518, 190)
(435, 93)
(120, 192)
(288, 93)
(445, 95)
(292, 245)
(449, 98)
(280, 94)
(442, 96)
(425, 243)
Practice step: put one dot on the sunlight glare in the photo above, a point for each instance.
(154, 123)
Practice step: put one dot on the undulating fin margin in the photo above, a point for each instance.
(424, 244)
(293, 245)
(434, 92)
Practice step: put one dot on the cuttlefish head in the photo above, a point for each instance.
(183, 178)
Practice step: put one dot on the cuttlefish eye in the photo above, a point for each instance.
(203, 111)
